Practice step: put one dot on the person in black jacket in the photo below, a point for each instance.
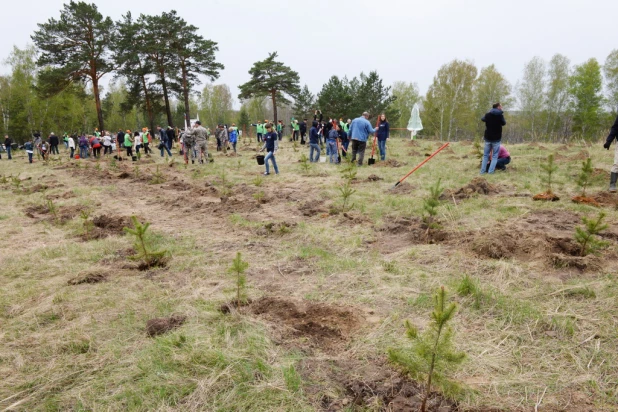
(302, 128)
(613, 135)
(171, 136)
(383, 134)
(7, 145)
(270, 139)
(53, 143)
(494, 120)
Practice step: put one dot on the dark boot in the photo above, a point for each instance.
(612, 182)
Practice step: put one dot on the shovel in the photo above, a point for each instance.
(420, 164)
(371, 160)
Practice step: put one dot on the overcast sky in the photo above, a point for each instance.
(402, 39)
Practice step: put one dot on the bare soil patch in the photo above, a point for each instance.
(585, 201)
(401, 232)
(546, 197)
(88, 277)
(390, 163)
(374, 178)
(606, 199)
(402, 189)
(323, 326)
(478, 186)
(159, 326)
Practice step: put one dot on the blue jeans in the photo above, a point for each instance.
(493, 147)
(29, 157)
(501, 164)
(83, 152)
(164, 147)
(8, 151)
(314, 147)
(332, 150)
(344, 145)
(271, 156)
(382, 148)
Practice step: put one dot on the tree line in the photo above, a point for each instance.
(156, 63)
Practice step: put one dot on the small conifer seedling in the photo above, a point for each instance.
(145, 252)
(587, 236)
(238, 269)
(583, 180)
(430, 205)
(432, 354)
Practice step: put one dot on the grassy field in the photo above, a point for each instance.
(329, 291)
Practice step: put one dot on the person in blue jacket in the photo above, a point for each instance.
(314, 142)
(383, 135)
(270, 138)
(360, 129)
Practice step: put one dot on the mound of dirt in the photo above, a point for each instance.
(374, 178)
(114, 224)
(402, 189)
(36, 189)
(89, 277)
(280, 228)
(124, 175)
(228, 307)
(606, 199)
(312, 208)
(414, 153)
(537, 145)
(478, 185)
(546, 197)
(585, 200)
(390, 163)
(159, 326)
(324, 326)
(582, 155)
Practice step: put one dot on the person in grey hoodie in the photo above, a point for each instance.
(494, 120)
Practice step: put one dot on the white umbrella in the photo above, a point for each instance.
(415, 124)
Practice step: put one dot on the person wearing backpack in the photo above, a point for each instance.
(95, 144)
(29, 148)
(83, 146)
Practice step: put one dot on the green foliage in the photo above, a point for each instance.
(136, 172)
(586, 88)
(349, 170)
(16, 182)
(586, 236)
(51, 208)
(549, 168)
(244, 120)
(448, 107)
(271, 78)
(259, 196)
(74, 55)
(87, 224)
(432, 355)
(346, 191)
(157, 177)
(145, 251)
(406, 94)
(304, 102)
(305, 164)
(258, 181)
(430, 205)
(478, 148)
(238, 269)
(583, 180)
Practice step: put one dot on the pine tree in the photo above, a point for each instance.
(271, 78)
(303, 103)
(550, 168)
(583, 180)
(75, 48)
(586, 236)
(238, 269)
(143, 245)
(432, 353)
(430, 205)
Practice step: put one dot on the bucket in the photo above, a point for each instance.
(323, 159)
(134, 158)
(260, 159)
(77, 156)
(371, 161)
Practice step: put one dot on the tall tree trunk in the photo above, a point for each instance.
(168, 110)
(185, 93)
(97, 100)
(274, 97)
(148, 103)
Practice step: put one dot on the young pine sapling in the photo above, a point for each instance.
(587, 236)
(430, 205)
(305, 164)
(550, 168)
(157, 177)
(583, 180)
(346, 192)
(238, 269)
(145, 251)
(432, 354)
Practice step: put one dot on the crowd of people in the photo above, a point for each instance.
(335, 135)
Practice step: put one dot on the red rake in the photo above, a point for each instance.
(420, 164)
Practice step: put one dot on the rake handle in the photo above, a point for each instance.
(421, 164)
